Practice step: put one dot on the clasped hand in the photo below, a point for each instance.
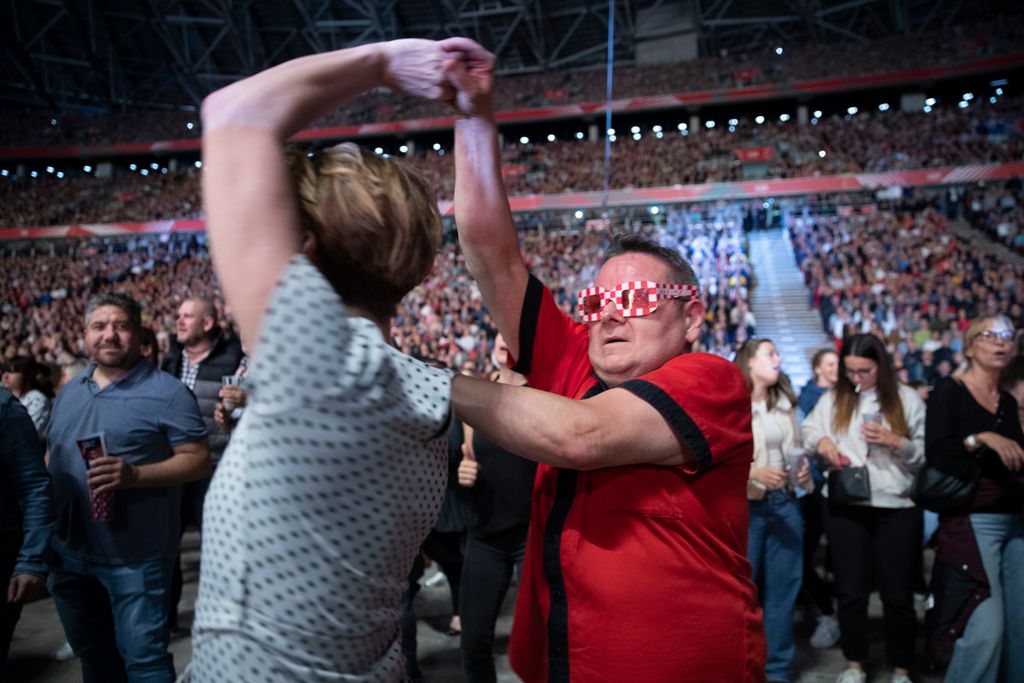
(458, 71)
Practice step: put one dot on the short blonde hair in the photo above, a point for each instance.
(374, 221)
(977, 326)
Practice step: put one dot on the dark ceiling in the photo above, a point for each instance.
(69, 54)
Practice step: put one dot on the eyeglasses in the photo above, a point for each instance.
(862, 372)
(993, 336)
(632, 299)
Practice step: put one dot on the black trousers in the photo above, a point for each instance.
(876, 547)
(446, 548)
(486, 574)
(814, 588)
(10, 545)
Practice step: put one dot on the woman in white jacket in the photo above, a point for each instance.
(775, 539)
(870, 419)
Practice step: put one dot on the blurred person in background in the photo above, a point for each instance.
(21, 377)
(974, 431)
(775, 537)
(871, 420)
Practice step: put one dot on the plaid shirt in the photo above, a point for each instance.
(189, 372)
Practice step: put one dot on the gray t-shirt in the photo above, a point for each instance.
(330, 483)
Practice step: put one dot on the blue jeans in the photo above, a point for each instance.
(115, 617)
(992, 646)
(775, 546)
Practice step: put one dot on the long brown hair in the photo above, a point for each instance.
(776, 391)
(846, 399)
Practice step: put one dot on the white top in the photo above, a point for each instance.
(890, 471)
(773, 425)
(38, 407)
(330, 483)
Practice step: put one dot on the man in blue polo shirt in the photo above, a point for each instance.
(111, 579)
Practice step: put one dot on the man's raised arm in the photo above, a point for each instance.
(487, 233)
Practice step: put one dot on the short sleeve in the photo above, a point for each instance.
(706, 402)
(182, 421)
(308, 344)
(552, 346)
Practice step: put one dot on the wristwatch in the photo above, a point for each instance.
(971, 442)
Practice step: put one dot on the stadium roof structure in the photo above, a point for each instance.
(104, 54)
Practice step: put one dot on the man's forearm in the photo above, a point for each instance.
(189, 462)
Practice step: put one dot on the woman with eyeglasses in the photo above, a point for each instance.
(973, 430)
(775, 535)
(871, 420)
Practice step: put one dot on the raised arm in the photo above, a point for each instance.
(487, 232)
(251, 214)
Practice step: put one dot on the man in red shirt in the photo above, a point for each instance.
(635, 567)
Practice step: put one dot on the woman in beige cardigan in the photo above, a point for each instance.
(778, 473)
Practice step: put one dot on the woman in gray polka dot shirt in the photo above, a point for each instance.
(336, 472)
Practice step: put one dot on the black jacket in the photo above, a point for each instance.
(224, 359)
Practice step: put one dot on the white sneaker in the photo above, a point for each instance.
(65, 653)
(852, 676)
(901, 678)
(826, 633)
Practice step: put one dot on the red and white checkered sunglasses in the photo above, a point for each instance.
(632, 299)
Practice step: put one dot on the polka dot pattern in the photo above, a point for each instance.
(331, 481)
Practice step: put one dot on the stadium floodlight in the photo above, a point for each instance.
(378, 150)
(657, 129)
(784, 117)
(963, 104)
(732, 129)
(524, 140)
(884, 106)
(611, 131)
(759, 120)
(53, 122)
(34, 174)
(927, 109)
(681, 126)
(817, 113)
(612, 138)
(634, 130)
(655, 211)
(579, 215)
(5, 173)
(199, 164)
(60, 174)
(636, 136)
(551, 137)
(660, 135)
(852, 110)
(132, 167)
(437, 146)
(440, 152)
(734, 122)
(709, 124)
(87, 169)
(404, 149)
(154, 166)
(930, 102)
(144, 171)
(778, 50)
(579, 135)
(968, 96)
(821, 153)
(999, 91)
(190, 125)
(992, 100)
(50, 169)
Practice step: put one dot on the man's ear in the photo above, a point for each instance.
(694, 319)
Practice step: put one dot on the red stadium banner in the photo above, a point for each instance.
(650, 196)
(750, 155)
(512, 170)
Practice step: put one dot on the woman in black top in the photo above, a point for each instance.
(502, 485)
(972, 428)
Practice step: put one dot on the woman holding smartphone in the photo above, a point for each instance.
(870, 420)
(775, 537)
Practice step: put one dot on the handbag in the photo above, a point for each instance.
(849, 485)
(940, 491)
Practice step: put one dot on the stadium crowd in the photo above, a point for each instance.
(867, 142)
(20, 127)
